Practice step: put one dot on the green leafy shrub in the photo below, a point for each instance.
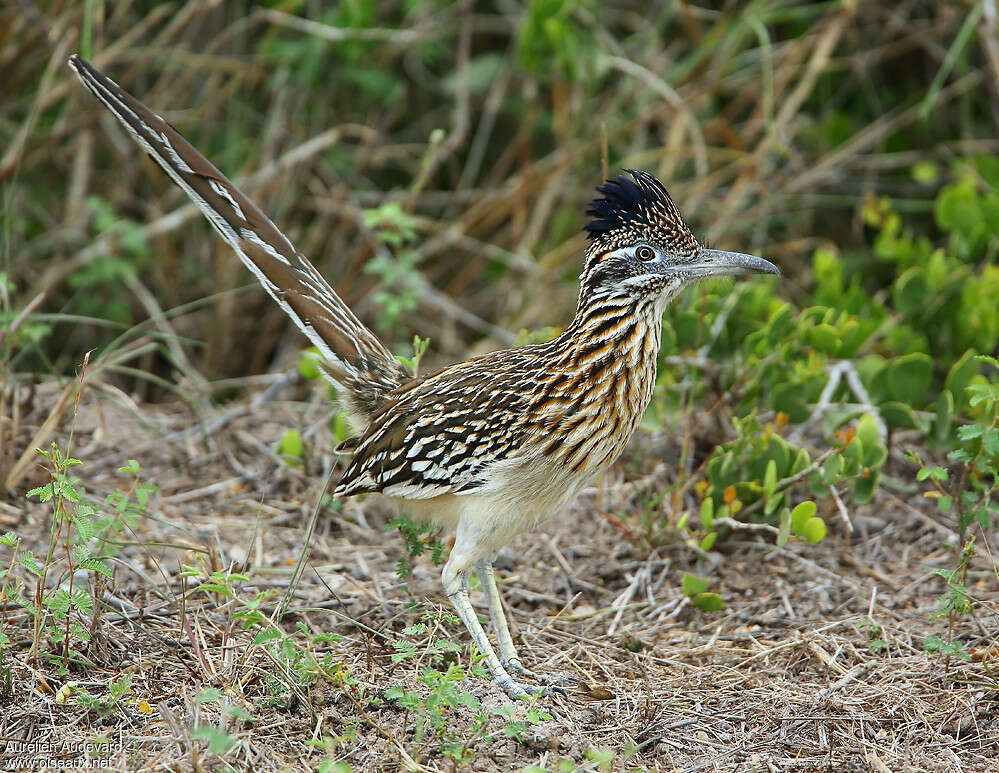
(85, 535)
(897, 343)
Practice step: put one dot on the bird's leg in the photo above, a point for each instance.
(456, 587)
(507, 652)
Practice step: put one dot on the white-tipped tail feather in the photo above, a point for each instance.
(353, 357)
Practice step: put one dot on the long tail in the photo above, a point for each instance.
(354, 359)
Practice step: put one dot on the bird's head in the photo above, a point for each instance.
(640, 246)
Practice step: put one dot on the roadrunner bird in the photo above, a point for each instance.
(491, 446)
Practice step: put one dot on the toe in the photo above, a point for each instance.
(515, 689)
(560, 681)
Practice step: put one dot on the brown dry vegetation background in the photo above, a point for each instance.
(434, 160)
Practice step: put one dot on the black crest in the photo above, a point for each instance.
(636, 204)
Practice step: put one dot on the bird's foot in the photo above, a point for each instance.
(515, 689)
(558, 681)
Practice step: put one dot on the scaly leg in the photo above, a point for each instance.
(456, 587)
(507, 652)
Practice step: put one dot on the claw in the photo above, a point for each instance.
(515, 689)
(557, 681)
(514, 664)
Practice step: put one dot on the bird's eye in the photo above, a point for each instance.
(645, 252)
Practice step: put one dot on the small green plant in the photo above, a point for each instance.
(219, 741)
(395, 265)
(696, 589)
(875, 635)
(117, 690)
(296, 666)
(978, 453)
(296, 660)
(106, 294)
(748, 479)
(954, 604)
(419, 349)
(432, 707)
(418, 537)
(971, 491)
(291, 448)
(602, 757)
(85, 536)
(552, 38)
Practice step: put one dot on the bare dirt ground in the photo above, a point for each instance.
(782, 679)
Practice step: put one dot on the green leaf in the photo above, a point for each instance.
(692, 584)
(824, 339)
(208, 695)
(98, 565)
(265, 636)
(219, 742)
(68, 490)
(789, 397)
(943, 419)
(908, 377)
(82, 602)
(708, 514)
(239, 713)
(959, 377)
(308, 364)
(990, 442)
(979, 393)
(132, 467)
(709, 541)
(118, 687)
(875, 456)
(395, 692)
(802, 512)
(214, 587)
(925, 172)
(901, 416)
(44, 493)
(970, 431)
(867, 431)
(863, 489)
(29, 562)
(910, 291)
(58, 602)
(813, 531)
(852, 455)
(291, 446)
(10, 539)
(957, 207)
(770, 478)
(832, 469)
(708, 602)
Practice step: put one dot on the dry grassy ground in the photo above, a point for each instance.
(783, 679)
(777, 126)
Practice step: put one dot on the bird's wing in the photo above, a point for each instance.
(444, 434)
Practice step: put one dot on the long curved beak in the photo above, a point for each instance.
(720, 263)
